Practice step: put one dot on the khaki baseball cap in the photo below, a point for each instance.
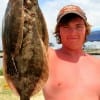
(71, 9)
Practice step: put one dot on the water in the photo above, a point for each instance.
(98, 56)
(1, 64)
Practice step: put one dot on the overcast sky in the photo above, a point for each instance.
(50, 9)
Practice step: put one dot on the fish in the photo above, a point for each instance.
(25, 46)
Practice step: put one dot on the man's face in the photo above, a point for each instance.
(73, 33)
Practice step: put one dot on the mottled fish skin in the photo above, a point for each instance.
(25, 45)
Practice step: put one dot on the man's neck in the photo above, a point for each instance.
(72, 52)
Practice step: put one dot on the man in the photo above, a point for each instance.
(73, 74)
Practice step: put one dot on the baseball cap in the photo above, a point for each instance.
(71, 9)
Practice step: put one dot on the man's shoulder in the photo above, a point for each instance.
(51, 52)
(94, 59)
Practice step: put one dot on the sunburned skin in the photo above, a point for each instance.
(73, 74)
(72, 79)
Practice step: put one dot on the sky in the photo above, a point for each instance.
(50, 10)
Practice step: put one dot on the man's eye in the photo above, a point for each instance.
(80, 26)
(65, 27)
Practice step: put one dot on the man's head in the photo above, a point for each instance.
(68, 13)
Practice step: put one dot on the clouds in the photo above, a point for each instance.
(3, 4)
(50, 9)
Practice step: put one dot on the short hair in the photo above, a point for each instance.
(65, 19)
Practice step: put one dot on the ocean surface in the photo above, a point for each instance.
(1, 62)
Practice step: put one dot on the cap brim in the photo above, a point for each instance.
(83, 17)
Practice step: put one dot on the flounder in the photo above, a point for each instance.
(25, 45)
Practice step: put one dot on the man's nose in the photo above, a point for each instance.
(73, 30)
